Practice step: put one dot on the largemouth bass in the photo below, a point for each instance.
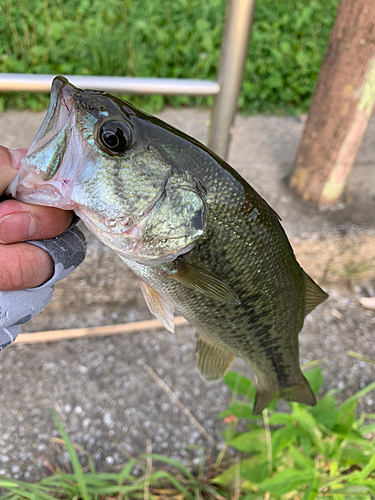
(198, 236)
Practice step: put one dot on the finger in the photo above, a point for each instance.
(24, 266)
(10, 162)
(20, 221)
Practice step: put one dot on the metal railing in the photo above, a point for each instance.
(20, 82)
(239, 16)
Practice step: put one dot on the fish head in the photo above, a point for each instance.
(93, 154)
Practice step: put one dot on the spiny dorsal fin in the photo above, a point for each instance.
(314, 294)
(203, 281)
(158, 306)
(212, 360)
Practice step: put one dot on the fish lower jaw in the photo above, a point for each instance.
(47, 195)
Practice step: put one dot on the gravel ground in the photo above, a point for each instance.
(105, 398)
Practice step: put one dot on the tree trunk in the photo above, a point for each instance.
(341, 107)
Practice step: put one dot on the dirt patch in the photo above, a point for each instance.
(341, 261)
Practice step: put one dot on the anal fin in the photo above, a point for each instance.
(213, 361)
(299, 393)
(158, 306)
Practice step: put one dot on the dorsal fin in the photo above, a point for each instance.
(314, 294)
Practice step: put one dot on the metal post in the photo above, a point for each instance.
(239, 17)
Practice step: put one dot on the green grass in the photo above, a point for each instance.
(179, 39)
(303, 454)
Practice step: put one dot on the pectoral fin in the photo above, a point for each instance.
(158, 306)
(203, 281)
(300, 393)
(212, 360)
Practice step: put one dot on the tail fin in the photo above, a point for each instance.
(300, 393)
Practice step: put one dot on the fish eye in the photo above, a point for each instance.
(115, 137)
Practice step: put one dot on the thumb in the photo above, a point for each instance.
(10, 162)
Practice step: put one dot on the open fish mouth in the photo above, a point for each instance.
(89, 157)
(58, 113)
(46, 153)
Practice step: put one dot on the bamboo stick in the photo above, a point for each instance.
(92, 331)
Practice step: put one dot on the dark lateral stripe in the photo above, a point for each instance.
(264, 337)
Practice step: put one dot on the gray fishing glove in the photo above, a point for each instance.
(17, 307)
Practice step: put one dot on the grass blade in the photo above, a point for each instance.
(125, 473)
(78, 472)
(360, 393)
(361, 357)
(170, 461)
(177, 484)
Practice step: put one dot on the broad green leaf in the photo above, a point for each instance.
(251, 442)
(280, 419)
(346, 433)
(240, 410)
(286, 481)
(240, 384)
(305, 442)
(254, 470)
(346, 414)
(226, 478)
(307, 422)
(282, 438)
(315, 379)
(325, 411)
(301, 460)
(251, 469)
(354, 456)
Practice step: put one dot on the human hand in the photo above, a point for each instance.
(23, 265)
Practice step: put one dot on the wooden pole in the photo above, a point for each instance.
(341, 107)
(92, 331)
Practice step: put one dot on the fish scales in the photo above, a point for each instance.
(270, 302)
(200, 238)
